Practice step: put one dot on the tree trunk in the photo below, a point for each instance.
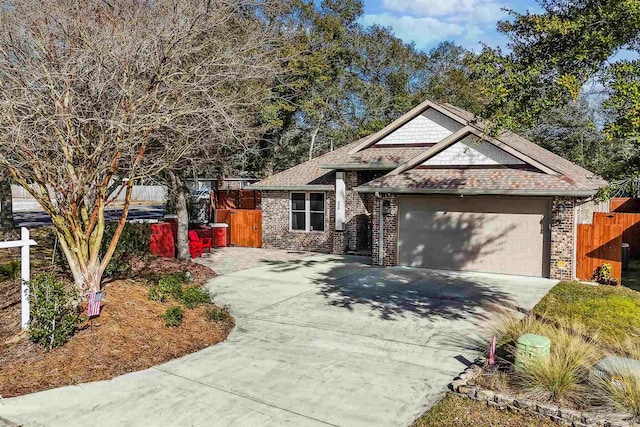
(182, 244)
(314, 134)
(6, 207)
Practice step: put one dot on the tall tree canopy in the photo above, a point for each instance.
(554, 54)
(96, 95)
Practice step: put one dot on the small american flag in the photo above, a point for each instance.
(93, 305)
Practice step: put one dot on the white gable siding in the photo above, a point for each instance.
(471, 152)
(429, 127)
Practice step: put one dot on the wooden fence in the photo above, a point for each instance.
(630, 224)
(245, 226)
(624, 204)
(599, 244)
(236, 199)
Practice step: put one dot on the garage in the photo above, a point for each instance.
(509, 235)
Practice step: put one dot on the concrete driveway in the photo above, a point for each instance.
(320, 340)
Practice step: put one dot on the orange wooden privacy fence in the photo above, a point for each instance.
(630, 224)
(624, 204)
(245, 226)
(598, 244)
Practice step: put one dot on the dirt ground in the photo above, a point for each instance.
(128, 336)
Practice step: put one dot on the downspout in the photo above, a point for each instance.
(381, 234)
(574, 255)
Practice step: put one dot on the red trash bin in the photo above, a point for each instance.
(220, 234)
(162, 242)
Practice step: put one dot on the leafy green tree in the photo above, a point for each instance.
(554, 53)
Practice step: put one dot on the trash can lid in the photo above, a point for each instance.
(625, 245)
(534, 340)
(219, 225)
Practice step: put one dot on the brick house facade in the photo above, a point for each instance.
(421, 166)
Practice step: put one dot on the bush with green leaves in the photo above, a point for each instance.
(134, 242)
(168, 286)
(54, 313)
(194, 296)
(173, 316)
(10, 269)
(218, 314)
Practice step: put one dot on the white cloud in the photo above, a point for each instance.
(478, 9)
(427, 32)
(424, 31)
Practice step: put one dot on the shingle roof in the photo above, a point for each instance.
(381, 156)
(360, 154)
(499, 179)
(307, 173)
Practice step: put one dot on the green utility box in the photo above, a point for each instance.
(531, 347)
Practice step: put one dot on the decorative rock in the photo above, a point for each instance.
(589, 420)
(525, 404)
(503, 399)
(561, 421)
(569, 414)
(455, 384)
(548, 410)
(471, 392)
(485, 395)
(465, 389)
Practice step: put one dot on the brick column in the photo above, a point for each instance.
(562, 238)
(390, 229)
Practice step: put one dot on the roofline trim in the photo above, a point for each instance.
(401, 190)
(442, 145)
(402, 120)
(363, 166)
(292, 187)
(504, 147)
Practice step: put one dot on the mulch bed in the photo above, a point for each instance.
(128, 336)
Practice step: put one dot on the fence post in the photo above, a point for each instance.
(25, 275)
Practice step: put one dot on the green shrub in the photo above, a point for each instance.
(195, 296)
(10, 269)
(54, 314)
(173, 316)
(168, 286)
(217, 314)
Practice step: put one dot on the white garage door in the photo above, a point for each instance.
(493, 234)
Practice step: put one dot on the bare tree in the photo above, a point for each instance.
(95, 95)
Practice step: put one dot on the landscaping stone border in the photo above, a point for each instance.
(465, 385)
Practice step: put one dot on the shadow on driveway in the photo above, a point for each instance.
(395, 292)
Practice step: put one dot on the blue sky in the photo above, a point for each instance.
(429, 22)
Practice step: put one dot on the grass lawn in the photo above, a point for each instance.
(455, 411)
(613, 310)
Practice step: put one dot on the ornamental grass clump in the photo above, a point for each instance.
(563, 376)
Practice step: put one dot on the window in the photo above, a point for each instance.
(307, 211)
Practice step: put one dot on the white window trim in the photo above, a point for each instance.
(307, 211)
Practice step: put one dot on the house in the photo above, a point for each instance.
(433, 189)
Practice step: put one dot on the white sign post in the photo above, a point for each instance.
(25, 269)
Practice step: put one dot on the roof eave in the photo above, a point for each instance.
(479, 192)
(291, 187)
(360, 166)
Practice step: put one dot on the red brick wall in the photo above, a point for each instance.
(390, 227)
(275, 225)
(562, 238)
